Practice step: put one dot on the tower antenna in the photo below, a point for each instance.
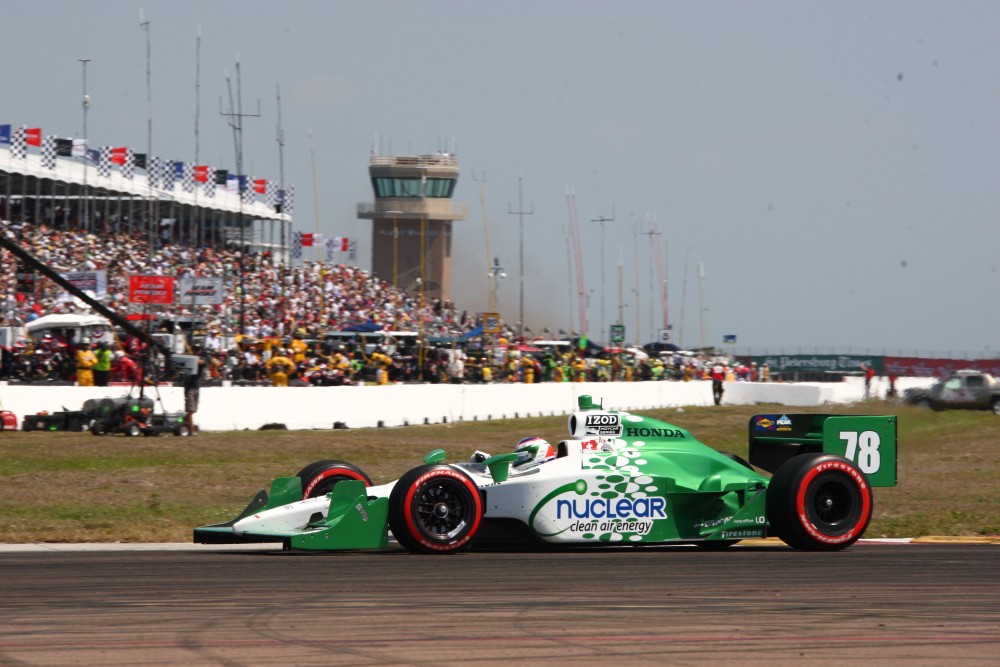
(520, 213)
(603, 221)
(235, 118)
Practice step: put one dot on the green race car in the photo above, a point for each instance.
(618, 479)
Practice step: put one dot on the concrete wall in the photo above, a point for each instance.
(233, 408)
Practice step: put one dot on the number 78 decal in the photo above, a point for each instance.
(862, 448)
(867, 440)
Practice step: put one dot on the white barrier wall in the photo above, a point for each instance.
(237, 408)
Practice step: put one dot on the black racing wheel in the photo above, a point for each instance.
(319, 478)
(819, 502)
(435, 509)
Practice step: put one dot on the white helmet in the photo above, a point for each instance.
(533, 451)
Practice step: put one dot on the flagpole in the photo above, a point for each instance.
(144, 25)
(86, 105)
(312, 157)
(199, 217)
(281, 178)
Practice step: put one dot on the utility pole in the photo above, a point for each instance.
(86, 105)
(520, 213)
(603, 221)
(235, 118)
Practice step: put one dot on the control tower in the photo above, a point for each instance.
(412, 216)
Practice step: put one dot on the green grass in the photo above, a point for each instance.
(74, 487)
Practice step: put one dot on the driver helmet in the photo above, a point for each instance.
(533, 451)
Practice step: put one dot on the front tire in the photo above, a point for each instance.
(819, 502)
(995, 406)
(319, 478)
(435, 509)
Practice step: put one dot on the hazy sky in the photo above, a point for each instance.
(833, 165)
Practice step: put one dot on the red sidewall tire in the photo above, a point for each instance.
(819, 502)
(319, 478)
(435, 509)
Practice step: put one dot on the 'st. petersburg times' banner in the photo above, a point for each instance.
(818, 363)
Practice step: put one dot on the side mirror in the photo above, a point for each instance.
(435, 456)
(499, 466)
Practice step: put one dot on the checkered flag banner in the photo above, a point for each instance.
(19, 144)
(153, 172)
(187, 182)
(289, 200)
(271, 195)
(210, 183)
(128, 166)
(104, 162)
(167, 174)
(296, 245)
(49, 152)
(332, 246)
(246, 187)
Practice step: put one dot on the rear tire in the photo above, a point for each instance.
(819, 502)
(319, 478)
(133, 429)
(435, 509)
(995, 406)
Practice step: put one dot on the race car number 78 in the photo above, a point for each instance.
(862, 448)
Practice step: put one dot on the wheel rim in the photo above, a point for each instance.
(832, 505)
(441, 509)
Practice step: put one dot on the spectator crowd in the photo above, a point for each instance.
(294, 323)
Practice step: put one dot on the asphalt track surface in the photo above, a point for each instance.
(913, 604)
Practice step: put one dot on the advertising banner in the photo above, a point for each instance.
(917, 367)
(154, 290)
(88, 281)
(207, 291)
(818, 363)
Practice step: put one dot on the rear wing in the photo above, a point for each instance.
(869, 441)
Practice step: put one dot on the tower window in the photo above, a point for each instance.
(410, 187)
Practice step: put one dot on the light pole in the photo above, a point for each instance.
(86, 105)
(494, 274)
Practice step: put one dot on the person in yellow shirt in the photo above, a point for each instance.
(280, 368)
(528, 369)
(298, 348)
(381, 361)
(85, 362)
